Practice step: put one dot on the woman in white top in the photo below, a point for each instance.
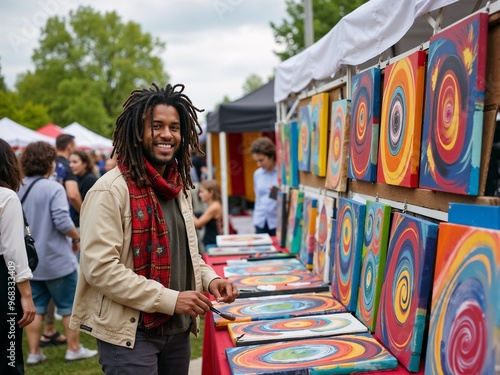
(16, 303)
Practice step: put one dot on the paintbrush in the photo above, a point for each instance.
(227, 316)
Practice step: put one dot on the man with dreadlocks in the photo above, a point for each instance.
(141, 283)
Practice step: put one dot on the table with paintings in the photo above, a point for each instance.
(219, 336)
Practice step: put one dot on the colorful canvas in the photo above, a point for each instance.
(241, 250)
(265, 267)
(290, 141)
(282, 219)
(365, 117)
(465, 320)
(319, 133)
(340, 124)
(308, 231)
(304, 144)
(406, 289)
(305, 327)
(244, 239)
(276, 307)
(376, 235)
(401, 121)
(453, 121)
(475, 215)
(337, 355)
(280, 153)
(294, 227)
(347, 253)
(321, 256)
(266, 285)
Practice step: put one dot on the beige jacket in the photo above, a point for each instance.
(109, 294)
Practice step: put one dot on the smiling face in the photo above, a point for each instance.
(160, 148)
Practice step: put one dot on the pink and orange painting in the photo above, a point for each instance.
(336, 171)
(464, 323)
(401, 121)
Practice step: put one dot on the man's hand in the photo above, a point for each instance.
(223, 290)
(192, 303)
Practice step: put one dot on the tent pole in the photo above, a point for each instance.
(223, 181)
(209, 157)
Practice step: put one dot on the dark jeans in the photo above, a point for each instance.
(11, 336)
(265, 229)
(165, 355)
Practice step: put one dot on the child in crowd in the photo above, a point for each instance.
(211, 218)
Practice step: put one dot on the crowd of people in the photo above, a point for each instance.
(95, 224)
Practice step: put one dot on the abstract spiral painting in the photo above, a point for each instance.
(406, 289)
(464, 324)
(365, 117)
(319, 133)
(304, 145)
(401, 121)
(308, 231)
(290, 139)
(264, 267)
(280, 153)
(376, 235)
(321, 256)
(275, 307)
(340, 124)
(304, 327)
(294, 227)
(347, 253)
(336, 355)
(282, 219)
(453, 121)
(267, 285)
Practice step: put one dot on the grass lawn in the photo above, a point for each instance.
(55, 364)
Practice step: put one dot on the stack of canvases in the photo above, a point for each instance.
(427, 291)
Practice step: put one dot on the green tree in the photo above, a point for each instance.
(252, 83)
(326, 14)
(28, 114)
(3, 85)
(87, 64)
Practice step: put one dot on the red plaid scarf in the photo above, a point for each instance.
(149, 230)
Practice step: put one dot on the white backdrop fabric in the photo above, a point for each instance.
(359, 36)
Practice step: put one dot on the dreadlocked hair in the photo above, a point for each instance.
(127, 137)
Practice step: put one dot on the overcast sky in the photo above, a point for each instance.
(212, 46)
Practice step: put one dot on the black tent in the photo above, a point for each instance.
(254, 112)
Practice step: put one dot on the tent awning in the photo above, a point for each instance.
(254, 112)
(87, 139)
(19, 136)
(363, 34)
(50, 130)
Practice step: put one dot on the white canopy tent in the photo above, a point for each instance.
(87, 139)
(19, 136)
